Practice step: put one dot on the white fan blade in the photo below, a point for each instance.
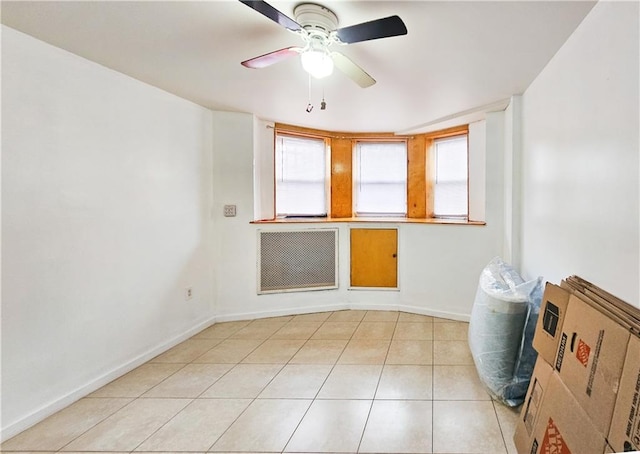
(271, 58)
(351, 70)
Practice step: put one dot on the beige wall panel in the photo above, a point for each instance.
(416, 178)
(341, 179)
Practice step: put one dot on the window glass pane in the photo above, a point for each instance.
(450, 188)
(381, 178)
(300, 176)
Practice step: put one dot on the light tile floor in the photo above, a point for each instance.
(346, 381)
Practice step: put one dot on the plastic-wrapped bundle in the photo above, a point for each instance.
(501, 328)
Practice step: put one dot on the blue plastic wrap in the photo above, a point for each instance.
(503, 321)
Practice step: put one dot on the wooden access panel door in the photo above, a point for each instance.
(374, 258)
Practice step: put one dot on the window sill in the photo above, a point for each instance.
(391, 220)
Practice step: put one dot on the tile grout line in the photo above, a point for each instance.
(194, 361)
(133, 399)
(233, 366)
(184, 365)
(495, 411)
(95, 425)
(433, 385)
(305, 340)
(375, 392)
(256, 398)
(193, 399)
(325, 380)
(162, 425)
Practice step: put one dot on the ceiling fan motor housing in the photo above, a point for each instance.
(316, 18)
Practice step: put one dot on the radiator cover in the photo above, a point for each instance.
(297, 260)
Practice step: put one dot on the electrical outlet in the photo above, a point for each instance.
(229, 211)
(188, 293)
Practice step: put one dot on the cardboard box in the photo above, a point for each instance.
(552, 421)
(590, 357)
(624, 435)
(550, 321)
(616, 310)
(524, 434)
(609, 450)
(613, 303)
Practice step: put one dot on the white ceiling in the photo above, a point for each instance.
(458, 57)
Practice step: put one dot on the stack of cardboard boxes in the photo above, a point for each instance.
(584, 395)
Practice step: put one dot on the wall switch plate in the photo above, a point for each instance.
(229, 211)
(188, 293)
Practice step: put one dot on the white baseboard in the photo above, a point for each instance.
(66, 400)
(281, 312)
(433, 313)
(344, 306)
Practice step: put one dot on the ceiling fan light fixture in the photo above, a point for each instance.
(316, 62)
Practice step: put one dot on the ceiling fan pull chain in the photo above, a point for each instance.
(309, 105)
(323, 104)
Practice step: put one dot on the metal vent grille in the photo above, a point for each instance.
(298, 260)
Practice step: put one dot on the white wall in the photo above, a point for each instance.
(477, 170)
(235, 245)
(439, 265)
(512, 180)
(106, 195)
(580, 199)
(263, 165)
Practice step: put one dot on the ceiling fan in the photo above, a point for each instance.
(318, 28)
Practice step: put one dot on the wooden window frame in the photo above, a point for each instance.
(340, 179)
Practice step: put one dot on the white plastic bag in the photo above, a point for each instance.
(501, 330)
